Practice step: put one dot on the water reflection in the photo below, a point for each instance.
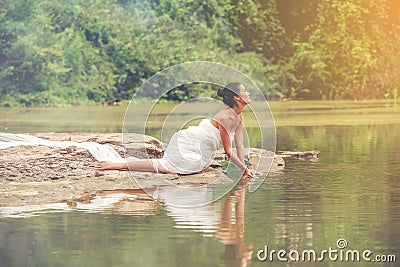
(121, 201)
(231, 228)
(223, 220)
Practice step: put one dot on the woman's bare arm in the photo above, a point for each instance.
(239, 142)
(226, 142)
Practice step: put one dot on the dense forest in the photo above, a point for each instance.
(62, 52)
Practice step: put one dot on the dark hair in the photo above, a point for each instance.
(228, 92)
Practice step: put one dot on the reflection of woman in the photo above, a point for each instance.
(231, 229)
(192, 149)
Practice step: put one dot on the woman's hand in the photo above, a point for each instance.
(249, 173)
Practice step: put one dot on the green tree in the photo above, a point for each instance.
(298, 17)
(346, 53)
(258, 26)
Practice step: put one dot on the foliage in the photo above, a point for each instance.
(260, 29)
(77, 51)
(347, 55)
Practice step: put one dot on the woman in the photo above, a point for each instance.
(192, 149)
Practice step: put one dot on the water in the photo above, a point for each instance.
(351, 193)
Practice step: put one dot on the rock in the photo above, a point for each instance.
(98, 173)
(71, 149)
(142, 146)
(311, 155)
(73, 165)
(263, 160)
(52, 170)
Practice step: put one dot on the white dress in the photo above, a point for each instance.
(192, 149)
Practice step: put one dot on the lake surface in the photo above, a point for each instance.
(351, 193)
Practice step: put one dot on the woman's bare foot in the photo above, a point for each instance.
(105, 165)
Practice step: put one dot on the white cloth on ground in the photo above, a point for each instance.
(99, 152)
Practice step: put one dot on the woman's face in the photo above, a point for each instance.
(244, 95)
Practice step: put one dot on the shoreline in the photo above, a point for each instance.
(126, 103)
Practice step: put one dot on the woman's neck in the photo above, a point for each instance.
(238, 108)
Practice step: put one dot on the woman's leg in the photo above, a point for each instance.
(145, 165)
(106, 165)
